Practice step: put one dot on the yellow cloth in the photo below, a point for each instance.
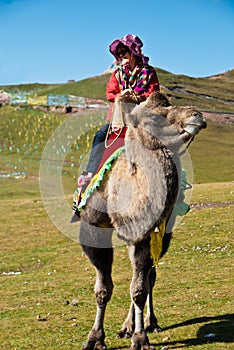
(156, 242)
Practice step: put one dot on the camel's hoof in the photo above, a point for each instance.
(100, 346)
(142, 347)
(92, 345)
(124, 333)
(153, 329)
(141, 342)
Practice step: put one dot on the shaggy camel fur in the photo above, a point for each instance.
(135, 197)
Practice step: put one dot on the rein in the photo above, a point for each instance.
(109, 132)
(190, 141)
(120, 116)
(187, 184)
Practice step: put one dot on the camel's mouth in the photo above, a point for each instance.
(194, 124)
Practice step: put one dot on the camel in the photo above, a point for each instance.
(135, 198)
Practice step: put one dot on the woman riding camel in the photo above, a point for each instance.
(133, 80)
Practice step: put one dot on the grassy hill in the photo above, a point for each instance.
(212, 93)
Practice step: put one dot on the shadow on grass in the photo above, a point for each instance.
(217, 329)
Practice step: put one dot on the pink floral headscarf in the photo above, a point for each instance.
(133, 42)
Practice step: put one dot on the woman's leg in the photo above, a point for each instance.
(98, 148)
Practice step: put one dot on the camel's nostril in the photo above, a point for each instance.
(204, 125)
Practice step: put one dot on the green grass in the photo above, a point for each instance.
(212, 154)
(192, 298)
(25, 132)
(220, 89)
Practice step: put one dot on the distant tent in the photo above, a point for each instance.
(57, 100)
(37, 100)
(4, 97)
(76, 101)
(18, 98)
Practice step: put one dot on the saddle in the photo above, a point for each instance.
(114, 141)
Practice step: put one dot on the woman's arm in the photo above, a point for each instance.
(112, 88)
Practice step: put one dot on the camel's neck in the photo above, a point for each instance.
(152, 153)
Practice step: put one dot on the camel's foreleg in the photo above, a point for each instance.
(102, 259)
(141, 263)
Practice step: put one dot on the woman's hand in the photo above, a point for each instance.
(128, 95)
(126, 92)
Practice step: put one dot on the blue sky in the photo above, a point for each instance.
(51, 41)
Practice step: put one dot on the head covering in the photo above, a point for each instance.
(134, 44)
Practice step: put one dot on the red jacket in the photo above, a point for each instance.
(113, 90)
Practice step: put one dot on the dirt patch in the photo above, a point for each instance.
(224, 75)
(210, 205)
(222, 118)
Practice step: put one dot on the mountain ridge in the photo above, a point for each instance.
(213, 93)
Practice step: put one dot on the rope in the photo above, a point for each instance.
(120, 116)
(182, 152)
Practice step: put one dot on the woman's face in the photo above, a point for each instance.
(125, 55)
(123, 52)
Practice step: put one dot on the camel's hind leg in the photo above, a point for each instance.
(151, 323)
(128, 326)
(141, 263)
(102, 259)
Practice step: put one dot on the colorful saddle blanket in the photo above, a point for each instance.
(114, 142)
(180, 209)
(96, 180)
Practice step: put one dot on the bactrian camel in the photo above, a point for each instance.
(135, 198)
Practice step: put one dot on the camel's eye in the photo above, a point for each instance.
(195, 114)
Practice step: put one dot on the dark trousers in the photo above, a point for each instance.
(98, 147)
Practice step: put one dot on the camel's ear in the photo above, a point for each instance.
(157, 99)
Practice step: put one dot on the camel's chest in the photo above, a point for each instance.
(137, 200)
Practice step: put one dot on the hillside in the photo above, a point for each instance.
(213, 93)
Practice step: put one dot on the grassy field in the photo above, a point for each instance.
(24, 134)
(42, 271)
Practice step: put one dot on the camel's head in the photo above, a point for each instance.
(184, 119)
(157, 116)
